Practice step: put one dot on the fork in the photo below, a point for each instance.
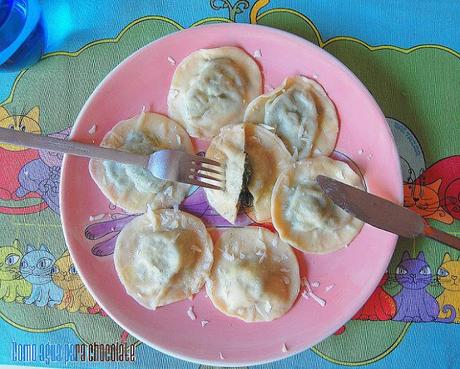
(171, 165)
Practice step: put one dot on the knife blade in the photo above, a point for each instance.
(382, 213)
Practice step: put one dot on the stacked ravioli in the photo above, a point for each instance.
(271, 148)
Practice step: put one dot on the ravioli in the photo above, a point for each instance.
(304, 216)
(267, 157)
(228, 149)
(211, 88)
(302, 115)
(163, 256)
(132, 187)
(254, 277)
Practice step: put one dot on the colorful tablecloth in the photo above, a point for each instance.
(405, 52)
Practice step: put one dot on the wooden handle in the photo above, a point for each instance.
(70, 147)
(443, 237)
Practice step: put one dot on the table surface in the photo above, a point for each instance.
(406, 53)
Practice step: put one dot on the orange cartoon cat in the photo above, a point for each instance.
(435, 194)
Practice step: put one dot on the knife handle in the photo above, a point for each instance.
(443, 237)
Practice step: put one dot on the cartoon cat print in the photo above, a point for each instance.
(413, 302)
(448, 276)
(36, 267)
(76, 296)
(13, 287)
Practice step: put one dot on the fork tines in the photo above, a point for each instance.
(204, 172)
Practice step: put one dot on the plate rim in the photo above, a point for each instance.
(281, 33)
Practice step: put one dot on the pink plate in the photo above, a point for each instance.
(346, 278)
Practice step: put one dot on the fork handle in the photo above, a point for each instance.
(70, 147)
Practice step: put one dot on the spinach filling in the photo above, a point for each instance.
(246, 199)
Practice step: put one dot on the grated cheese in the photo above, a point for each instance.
(257, 53)
(204, 323)
(295, 154)
(330, 287)
(96, 217)
(149, 211)
(190, 313)
(171, 60)
(195, 248)
(284, 349)
(176, 205)
(228, 256)
(268, 307)
(221, 357)
(92, 130)
(266, 126)
(261, 235)
(174, 92)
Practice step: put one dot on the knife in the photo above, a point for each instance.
(382, 213)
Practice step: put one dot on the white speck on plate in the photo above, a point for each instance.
(315, 284)
(330, 287)
(92, 130)
(257, 53)
(310, 293)
(315, 76)
(369, 157)
(204, 323)
(284, 349)
(221, 357)
(360, 151)
(269, 88)
(96, 217)
(171, 60)
(190, 313)
(318, 299)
